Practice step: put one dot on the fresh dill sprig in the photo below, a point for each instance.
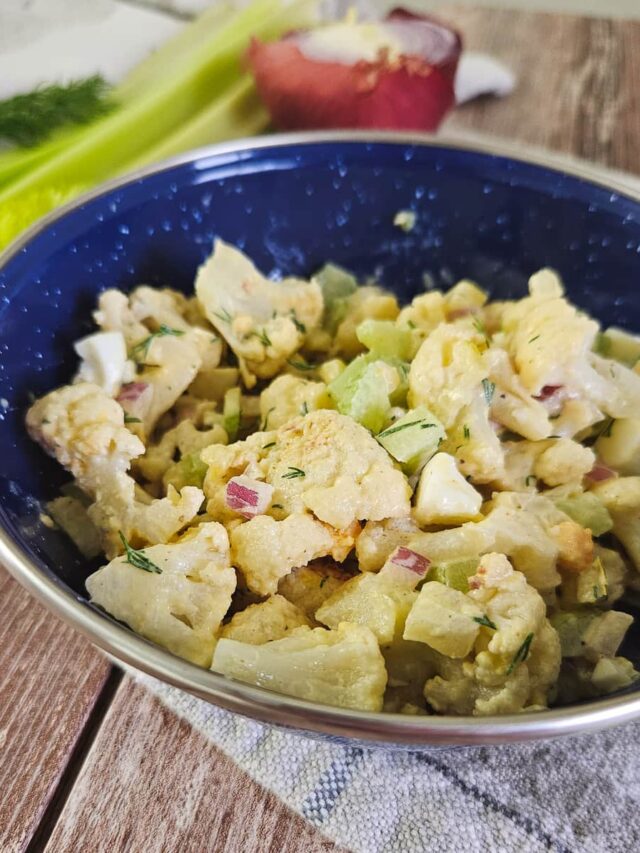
(521, 655)
(292, 473)
(29, 119)
(485, 622)
(398, 427)
(138, 558)
(141, 349)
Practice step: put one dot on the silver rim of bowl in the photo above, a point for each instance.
(259, 703)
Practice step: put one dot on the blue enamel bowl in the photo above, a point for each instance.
(292, 203)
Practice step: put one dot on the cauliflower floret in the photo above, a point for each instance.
(265, 550)
(426, 312)
(379, 539)
(343, 668)
(114, 315)
(548, 339)
(515, 608)
(264, 322)
(464, 298)
(308, 587)
(510, 403)
(288, 397)
(517, 652)
(565, 461)
(179, 607)
(84, 429)
(474, 443)
(446, 373)
(324, 462)
(261, 623)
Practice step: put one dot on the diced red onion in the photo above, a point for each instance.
(600, 472)
(406, 566)
(411, 560)
(135, 398)
(248, 497)
(132, 391)
(547, 391)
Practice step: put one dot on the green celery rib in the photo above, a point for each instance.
(236, 113)
(138, 83)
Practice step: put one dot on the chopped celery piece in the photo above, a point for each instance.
(618, 446)
(360, 393)
(413, 439)
(590, 632)
(618, 344)
(386, 339)
(455, 573)
(571, 626)
(587, 510)
(189, 471)
(231, 412)
(337, 286)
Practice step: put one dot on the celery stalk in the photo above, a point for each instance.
(105, 148)
(138, 83)
(235, 114)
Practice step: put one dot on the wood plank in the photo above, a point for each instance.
(577, 82)
(50, 679)
(152, 783)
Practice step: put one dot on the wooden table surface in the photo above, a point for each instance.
(91, 762)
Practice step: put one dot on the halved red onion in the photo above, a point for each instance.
(600, 472)
(331, 77)
(248, 497)
(135, 398)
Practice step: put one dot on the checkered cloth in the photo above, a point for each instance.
(571, 795)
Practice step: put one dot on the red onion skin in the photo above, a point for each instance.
(303, 93)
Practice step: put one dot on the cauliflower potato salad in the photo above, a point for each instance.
(304, 486)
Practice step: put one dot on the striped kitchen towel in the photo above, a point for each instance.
(571, 795)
